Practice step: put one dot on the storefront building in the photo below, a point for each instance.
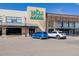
(22, 23)
(67, 23)
(36, 19)
(12, 22)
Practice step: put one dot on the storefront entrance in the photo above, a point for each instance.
(13, 31)
(0, 31)
(31, 31)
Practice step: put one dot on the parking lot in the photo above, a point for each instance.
(21, 46)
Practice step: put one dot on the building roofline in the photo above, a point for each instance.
(63, 14)
(13, 10)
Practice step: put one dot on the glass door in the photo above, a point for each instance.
(31, 31)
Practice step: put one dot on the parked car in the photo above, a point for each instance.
(57, 34)
(40, 35)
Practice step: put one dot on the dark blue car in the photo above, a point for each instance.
(40, 35)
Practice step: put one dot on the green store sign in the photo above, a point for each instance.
(37, 15)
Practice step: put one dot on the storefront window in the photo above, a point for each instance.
(76, 24)
(62, 24)
(11, 19)
(71, 24)
(19, 20)
(59, 24)
(1, 19)
(65, 24)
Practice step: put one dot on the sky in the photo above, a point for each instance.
(59, 8)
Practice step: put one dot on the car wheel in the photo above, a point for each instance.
(57, 37)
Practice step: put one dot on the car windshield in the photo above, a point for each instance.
(52, 32)
(40, 32)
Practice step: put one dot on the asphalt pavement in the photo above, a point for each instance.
(27, 46)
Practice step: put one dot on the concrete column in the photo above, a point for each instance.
(3, 31)
(23, 31)
(27, 30)
(54, 25)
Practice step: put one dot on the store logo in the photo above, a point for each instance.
(37, 15)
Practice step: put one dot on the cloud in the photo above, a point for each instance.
(59, 11)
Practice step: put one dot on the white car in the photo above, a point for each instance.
(57, 34)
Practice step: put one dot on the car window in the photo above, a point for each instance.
(54, 32)
(61, 32)
(44, 32)
(49, 32)
(35, 33)
(38, 32)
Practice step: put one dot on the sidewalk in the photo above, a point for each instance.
(73, 37)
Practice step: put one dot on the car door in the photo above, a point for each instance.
(38, 34)
(53, 34)
(50, 34)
